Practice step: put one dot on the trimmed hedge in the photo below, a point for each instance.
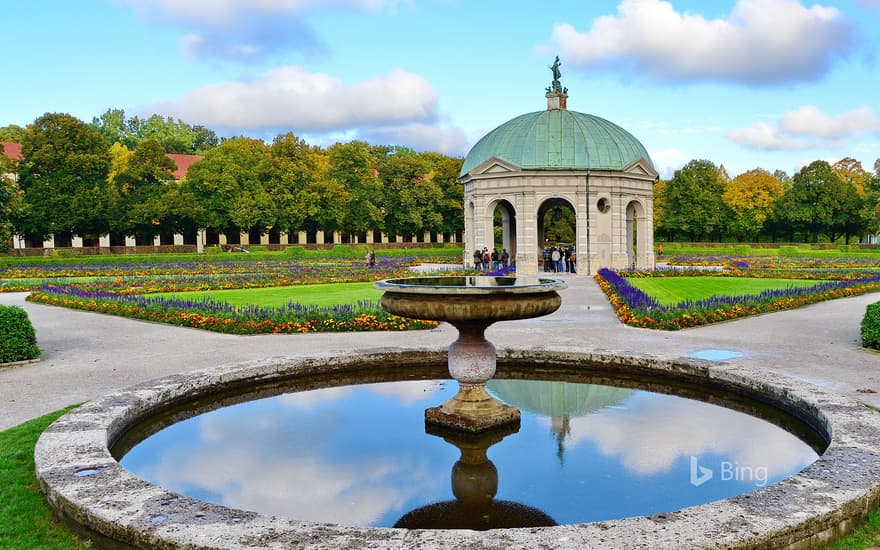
(871, 326)
(19, 341)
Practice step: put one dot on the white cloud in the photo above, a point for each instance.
(807, 128)
(759, 42)
(647, 448)
(449, 140)
(667, 161)
(810, 121)
(245, 29)
(291, 98)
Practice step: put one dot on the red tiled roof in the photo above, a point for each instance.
(183, 163)
(11, 149)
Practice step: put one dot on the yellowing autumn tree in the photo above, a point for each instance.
(750, 197)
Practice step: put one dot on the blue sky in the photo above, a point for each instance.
(745, 83)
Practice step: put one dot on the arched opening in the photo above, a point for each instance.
(636, 236)
(504, 230)
(557, 232)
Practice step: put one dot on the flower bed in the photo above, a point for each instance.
(204, 275)
(124, 289)
(223, 317)
(635, 308)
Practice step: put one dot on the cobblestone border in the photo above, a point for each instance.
(87, 487)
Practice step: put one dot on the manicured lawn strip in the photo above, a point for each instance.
(672, 290)
(733, 249)
(315, 295)
(26, 521)
(636, 308)
(450, 253)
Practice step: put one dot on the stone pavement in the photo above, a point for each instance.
(86, 355)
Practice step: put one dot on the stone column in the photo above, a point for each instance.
(50, 242)
(319, 237)
(222, 240)
(302, 237)
(104, 240)
(157, 241)
(76, 241)
(130, 241)
(244, 238)
(527, 246)
(264, 238)
(178, 239)
(200, 240)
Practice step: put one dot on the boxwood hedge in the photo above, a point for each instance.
(19, 341)
(871, 326)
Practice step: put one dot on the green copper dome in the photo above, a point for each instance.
(558, 139)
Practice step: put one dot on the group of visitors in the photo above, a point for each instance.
(370, 258)
(486, 259)
(559, 259)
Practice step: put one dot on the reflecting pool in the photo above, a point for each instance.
(360, 455)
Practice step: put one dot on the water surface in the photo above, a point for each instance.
(360, 455)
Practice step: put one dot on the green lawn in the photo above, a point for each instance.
(26, 522)
(318, 295)
(672, 290)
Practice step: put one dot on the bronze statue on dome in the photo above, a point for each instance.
(555, 87)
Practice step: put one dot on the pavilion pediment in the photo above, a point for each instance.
(641, 167)
(495, 165)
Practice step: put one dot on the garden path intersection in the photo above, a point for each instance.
(87, 355)
(804, 358)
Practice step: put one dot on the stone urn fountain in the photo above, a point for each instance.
(471, 304)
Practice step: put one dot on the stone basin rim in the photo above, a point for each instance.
(840, 487)
(521, 285)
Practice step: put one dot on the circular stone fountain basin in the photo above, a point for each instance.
(359, 454)
(86, 485)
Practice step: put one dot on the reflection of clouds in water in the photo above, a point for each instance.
(655, 432)
(310, 399)
(251, 473)
(407, 392)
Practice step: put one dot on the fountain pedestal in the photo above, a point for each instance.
(471, 304)
(472, 363)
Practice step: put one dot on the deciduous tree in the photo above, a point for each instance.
(693, 201)
(751, 197)
(63, 175)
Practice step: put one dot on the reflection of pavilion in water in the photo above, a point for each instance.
(559, 401)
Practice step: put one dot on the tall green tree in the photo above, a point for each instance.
(819, 202)
(63, 174)
(12, 132)
(857, 217)
(444, 172)
(227, 188)
(175, 136)
(140, 207)
(297, 175)
(412, 195)
(693, 203)
(353, 166)
(11, 200)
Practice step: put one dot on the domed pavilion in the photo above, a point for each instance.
(557, 157)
